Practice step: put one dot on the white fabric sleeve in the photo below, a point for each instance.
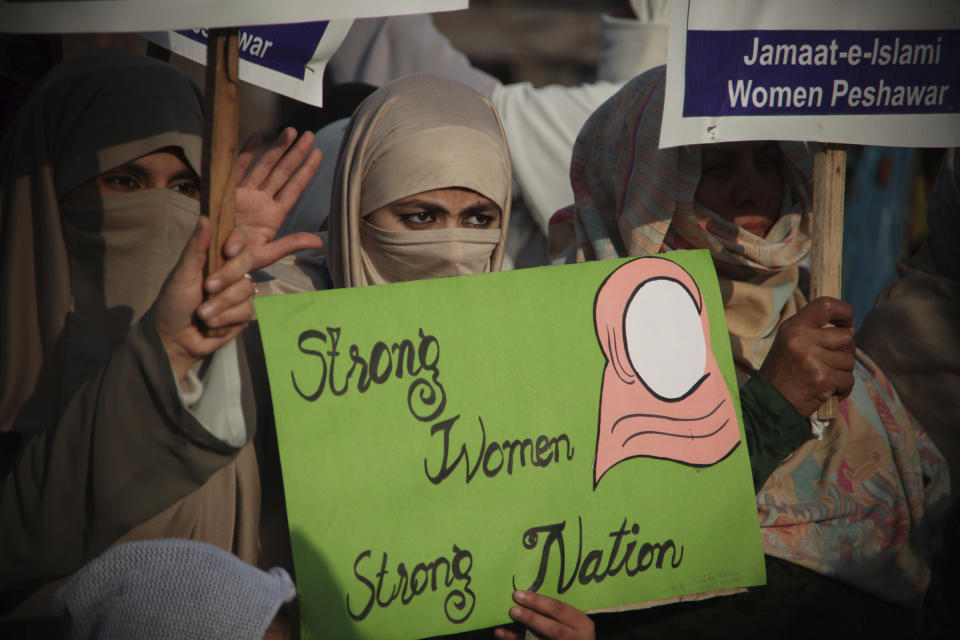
(214, 398)
(378, 50)
(629, 47)
(542, 125)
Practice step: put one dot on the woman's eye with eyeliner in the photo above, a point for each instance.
(478, 220)
(188, 188)
(418, 218)
(119, 181)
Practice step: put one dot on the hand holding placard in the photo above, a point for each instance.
(809, 362)
(826, 254)
(547, 617)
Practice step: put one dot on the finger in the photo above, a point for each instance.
(212, 338)
(552, 607)
(245, 157)
(548, 627)
(266, 162)
(235, 317)
(835, 339)
(236, 242)
(301, 178)
(826, 310)
(272, 251)
(232, 296)
(843, 382)
(505, 633)
(299, 241)
(194, 255)
(289, 163)
(232, 270)
(193, 258)
(839, 360)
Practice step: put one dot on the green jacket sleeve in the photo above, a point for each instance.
(773, 426)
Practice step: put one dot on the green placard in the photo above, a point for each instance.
(566, 429)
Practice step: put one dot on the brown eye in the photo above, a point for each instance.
(120, 182)
(188, 188)
(478, 220)
(418, 219)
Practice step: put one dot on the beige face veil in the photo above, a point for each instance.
(413, 135)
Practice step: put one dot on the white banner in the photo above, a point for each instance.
(288, 59)
(873, 72)
(79, 16)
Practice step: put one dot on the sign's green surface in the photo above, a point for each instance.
(442, 443)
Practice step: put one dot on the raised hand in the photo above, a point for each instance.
(266, 191)
(180, 314)
(810, 361)
(548, 617)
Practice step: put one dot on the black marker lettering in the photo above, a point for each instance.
(376, 357)
(589, 568)
(495, 456)
(458, 603)
(426, 397)
(307, 335)
(366, 609)
(333, 353)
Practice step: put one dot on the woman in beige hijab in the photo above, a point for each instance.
(120, 417)
(421, 190)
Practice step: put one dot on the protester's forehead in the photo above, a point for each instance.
(426, 101)
(450, 192)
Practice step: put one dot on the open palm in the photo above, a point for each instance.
(266, 191)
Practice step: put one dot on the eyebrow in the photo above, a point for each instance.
(140, 171)
(131, 167)
(481, 208)
(421, 204)
(433, 207)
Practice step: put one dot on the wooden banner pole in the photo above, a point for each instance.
(829, 173)
(221, 112)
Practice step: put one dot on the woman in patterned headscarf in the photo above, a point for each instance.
(860, 502)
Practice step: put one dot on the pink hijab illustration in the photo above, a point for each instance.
(663, 395)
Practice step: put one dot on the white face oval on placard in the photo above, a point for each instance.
(664, 338)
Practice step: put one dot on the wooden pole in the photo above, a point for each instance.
(829, 173)
(221, 111)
